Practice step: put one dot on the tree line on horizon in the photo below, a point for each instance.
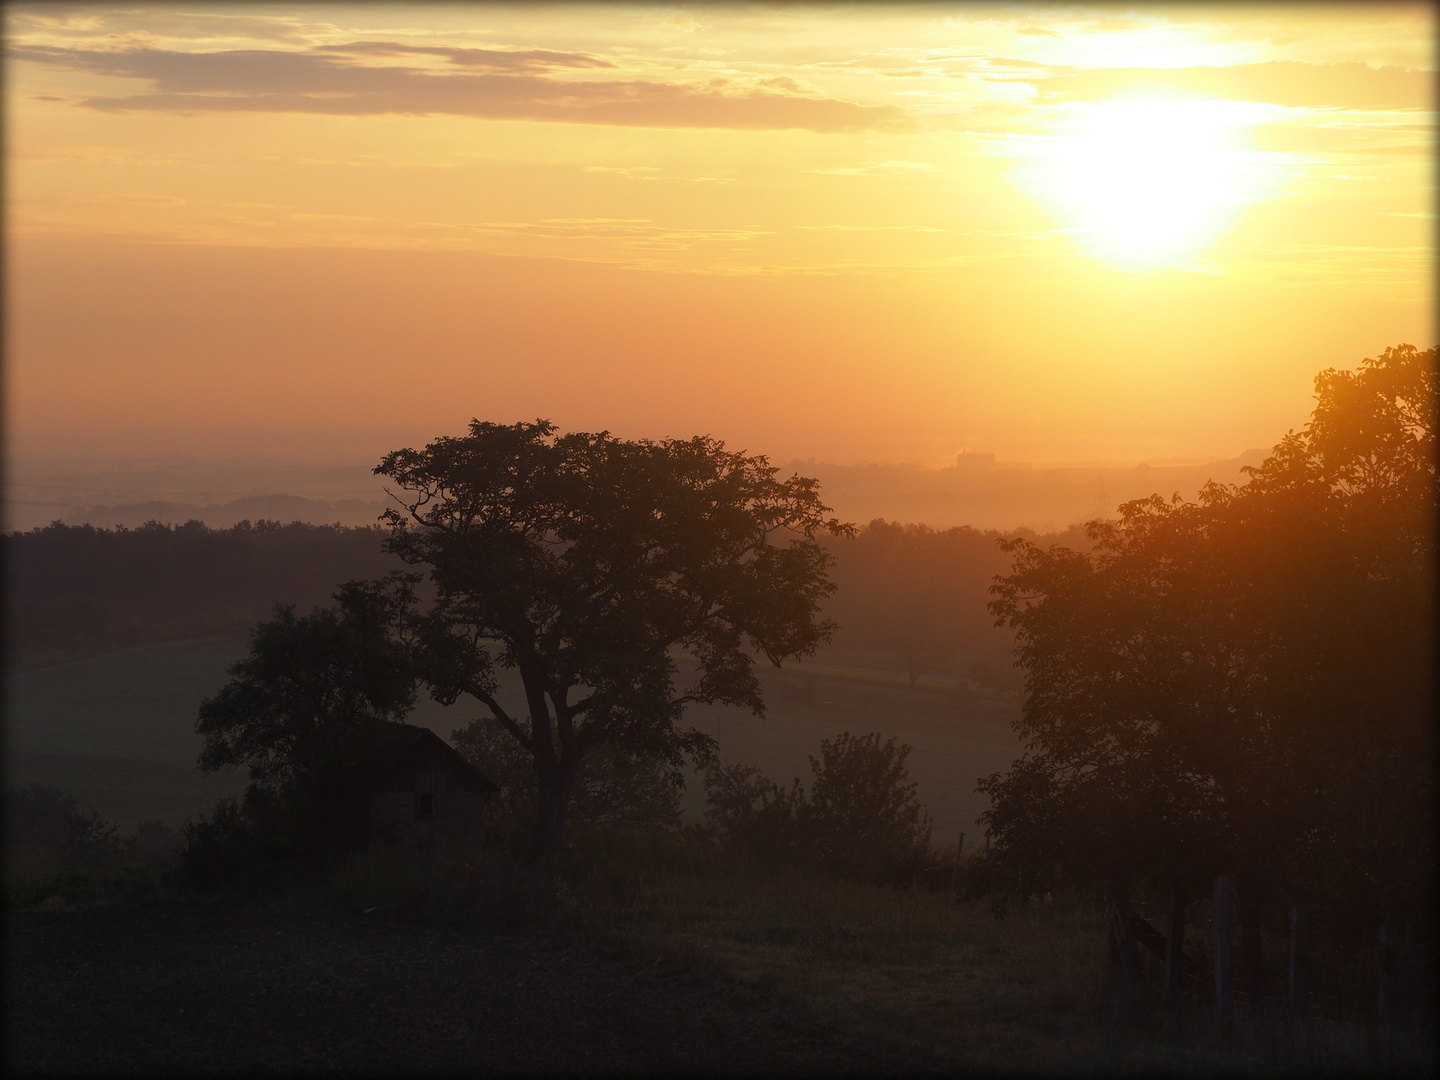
(909, 598)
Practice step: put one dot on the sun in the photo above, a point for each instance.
(1147, 180)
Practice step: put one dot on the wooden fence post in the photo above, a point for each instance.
(987, 845)
(1299, 940)
(1174, 947)
(1387, 966)
(1221, 925)
(959, 854)
(1124, 953)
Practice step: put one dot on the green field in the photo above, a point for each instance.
(117, 731)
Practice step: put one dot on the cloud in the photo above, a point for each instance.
(491, 59)
(1281, 82)
(1035, 31)
(330, 82)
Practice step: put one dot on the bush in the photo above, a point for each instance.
(55, 849)
(859, 820)
(864, 819)
(753, 816)
(47, 831)
(220, 846)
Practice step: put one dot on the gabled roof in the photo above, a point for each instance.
(400, 741)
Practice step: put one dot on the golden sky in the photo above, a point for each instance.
(879, 233)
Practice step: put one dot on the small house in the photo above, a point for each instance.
(423, 793)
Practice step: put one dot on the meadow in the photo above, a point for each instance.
(117, 731)
(924, 978)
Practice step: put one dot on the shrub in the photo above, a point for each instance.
(219, 846)
(57, 850)
(47, 831)
(859, 820)
(864, 819)
(754, 816)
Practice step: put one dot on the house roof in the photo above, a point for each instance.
(401, 741)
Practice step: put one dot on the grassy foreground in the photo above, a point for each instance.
(928, 978)
(925, 980)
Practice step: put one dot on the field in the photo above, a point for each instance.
(117, 731)
(783, 969)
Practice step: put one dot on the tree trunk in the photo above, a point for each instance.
(1221, 926)
(552, 799)
(553, 771)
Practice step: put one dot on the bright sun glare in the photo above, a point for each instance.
(1146, 182)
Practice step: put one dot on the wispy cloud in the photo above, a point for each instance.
(330, 80)
(490, 59)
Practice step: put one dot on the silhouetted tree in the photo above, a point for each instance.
(1124, 686)
(1242, 685)
(304, 709)
(582, 561)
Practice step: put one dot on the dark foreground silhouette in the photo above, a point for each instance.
(224, 988)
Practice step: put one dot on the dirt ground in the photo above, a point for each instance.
(184, 989)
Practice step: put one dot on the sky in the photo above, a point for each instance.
(863, 233)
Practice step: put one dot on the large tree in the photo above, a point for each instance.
(586, 563)
(1242, 685)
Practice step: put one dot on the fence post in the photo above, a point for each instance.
(987, 845)
(1174, 947)
(1387, 965)
(955, 870)
(1124, 954)
(1221, 925)
(1299, 939)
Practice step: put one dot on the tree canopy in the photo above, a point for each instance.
(585, 563)
(1241, 685)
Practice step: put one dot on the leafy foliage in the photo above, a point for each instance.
(1242, 684)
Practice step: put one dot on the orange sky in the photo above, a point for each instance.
(879, 233)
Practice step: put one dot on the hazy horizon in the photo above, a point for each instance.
(1045, 496)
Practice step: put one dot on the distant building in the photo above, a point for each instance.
(423, 793)
(974, 459)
